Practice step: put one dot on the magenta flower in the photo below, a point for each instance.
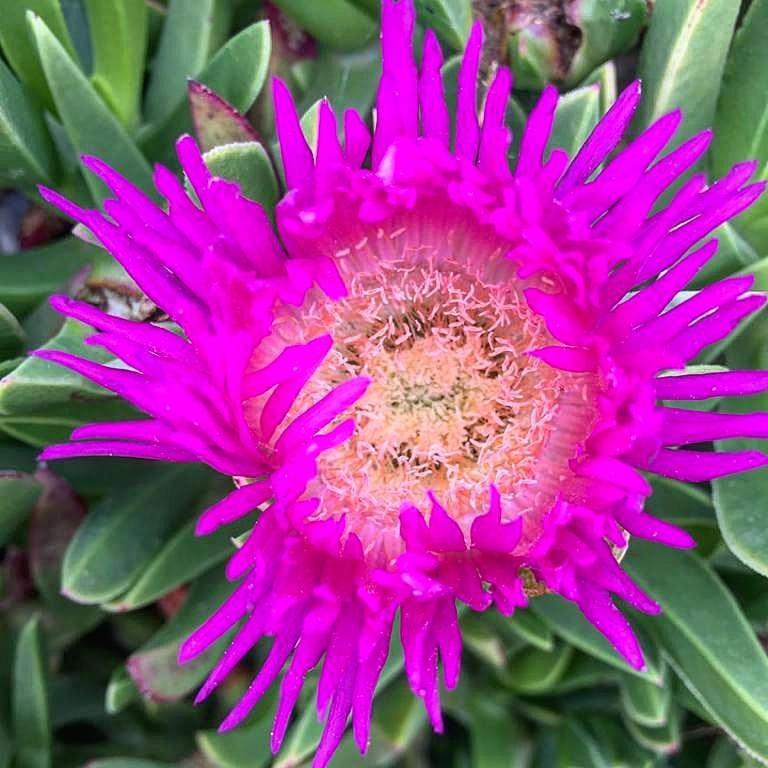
(439, 375)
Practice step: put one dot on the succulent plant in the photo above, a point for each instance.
(102, 578)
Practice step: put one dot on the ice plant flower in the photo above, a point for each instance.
(437, 379)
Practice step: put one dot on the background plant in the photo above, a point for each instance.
(102, 576)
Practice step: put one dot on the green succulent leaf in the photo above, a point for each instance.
(11, 334)
(127, 762)
(529, 627)
(741, 123)
(121, 691)
(17, 47)
(577, 748)
(91, 127)
(247, 745)
(26, 151)
(96, 568)
(154, 668)
(566, 620)
(497, 739)
(664, 739)
(577, 114)
(18, 492)
(236, 74)
(737, 500)
(37, 383)
(607, 28)
(707, 640)
(29, 276)
(301, 740)
(249, 165)
(335, 23)
(119, 38)
(682, 61)
(192, 31)
(347, 80)
(535, 671)
(451, 20)
(183, 557)
(644, 702)
(31, 715)
(216, 122)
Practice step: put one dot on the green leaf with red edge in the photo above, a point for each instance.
(216, 121)
(154, 668)
(236, 73)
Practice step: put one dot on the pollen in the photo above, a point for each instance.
(456, 402)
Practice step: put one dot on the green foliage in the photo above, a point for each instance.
(113, 577)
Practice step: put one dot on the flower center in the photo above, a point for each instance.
(455, 402)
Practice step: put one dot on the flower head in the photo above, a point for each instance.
(437, 378)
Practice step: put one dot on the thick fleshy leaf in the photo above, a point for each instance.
(497, 739)
(216, 121)
(139, 518)
(664, 739)
(154, 667)
(535, 671)
(249, 165)
(566, 620)
(301, 740)
(91, 127)
(347, 80)
(11, 334)
(335, 23)
(738, 498)
(742, 114)
(126, 762)
(191, 34)
(451, 20)
(121, 691)
(645, 702)
(18, 492)
(14, 40)
(247, 745)
(577, 747)
(26, 151)
(707, 640)
(532, 629)
(37, 383)
(734, 253)
(28, 276)
(606, 29)
(679, 503)
(183, 557)
(682, 61)
(31, 715)
(236, 73)
(119, 38)
(577, 114)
